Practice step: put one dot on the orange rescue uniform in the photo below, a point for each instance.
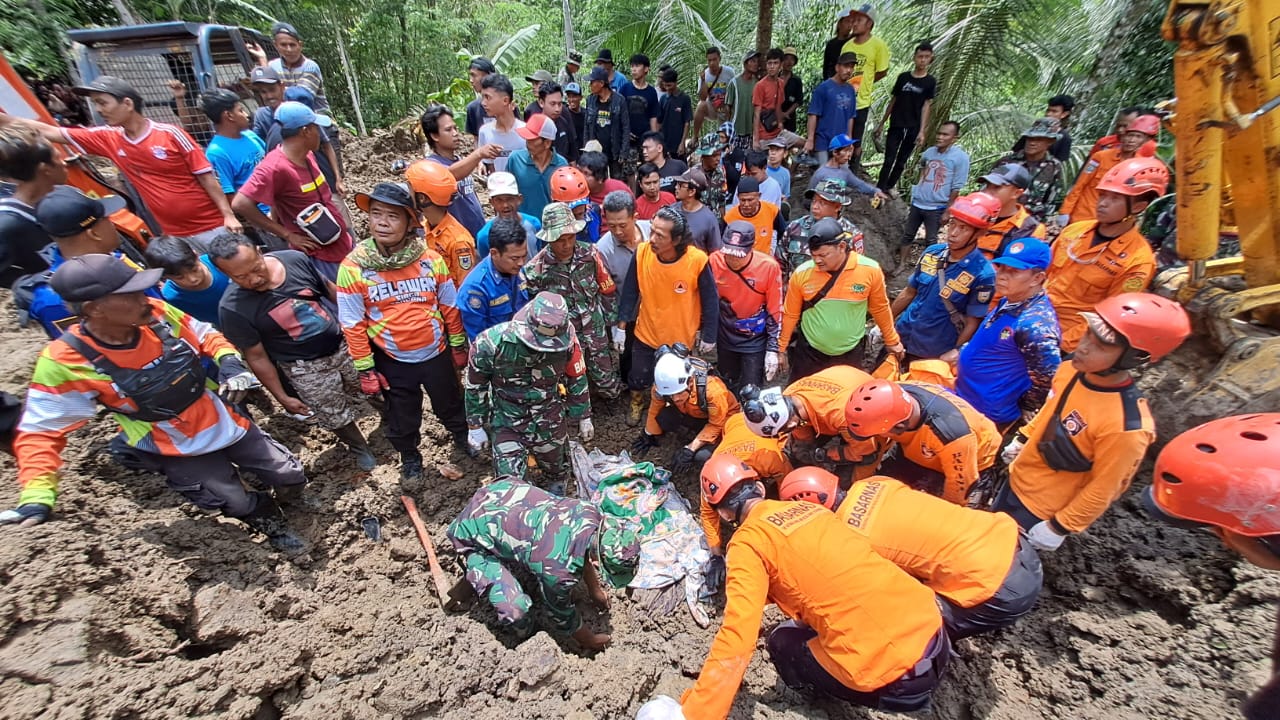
(721, 403)
(963, 555)
(1083, 274)
(764, 221)
(452, 242)
(764, 455)
(874, 621)
(823, 396)
(670, 307)
(1111, 426)
(953, 439)
(1082, 202)
(1019, 225)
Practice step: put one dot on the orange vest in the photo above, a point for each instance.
(1082, 202)
(764, 455)
(763, 221)
(1081, 274)
(670, 307)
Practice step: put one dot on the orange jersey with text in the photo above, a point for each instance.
(962, 554)
(874, 621)
(823, 396)
(953, 439)
(1082, 274)
(762, 454)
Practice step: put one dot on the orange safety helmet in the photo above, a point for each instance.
(1145, 124)
(978, 209)
(721, 474)
(811, 484)
(1224, 473)
(1136, 177)
(433, 181)
(568, 185)
(1151, 325)
(875, 407)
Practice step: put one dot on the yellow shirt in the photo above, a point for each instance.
(873, 57)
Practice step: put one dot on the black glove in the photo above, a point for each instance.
(713, 576)
(644, 444)
(230, 366)
(26, 514)
(681, 461)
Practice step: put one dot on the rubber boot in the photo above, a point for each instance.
(410, 467)
(351, 435)
(296, 496)
(637, 407)
(268, 520)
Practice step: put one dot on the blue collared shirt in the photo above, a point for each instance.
(531, 226)
(925, 325)
(1009, 363)
(487, 297)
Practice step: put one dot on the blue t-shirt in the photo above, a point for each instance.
(531, 225)
(235, 158)
(782, 176)
(642, 105)
(925, 326)
(535, 186)
(835, 104)
(487, 297)
(465, 207)
(200, 304)
(1013, 342)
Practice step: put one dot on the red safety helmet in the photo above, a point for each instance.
(978, 209)
(722, 473)
(811, 484)
(1151, 325)
(1136, 177)
(568, 184)
(433, 181)
(1224, 473)
(875, 407)
(1145, 124)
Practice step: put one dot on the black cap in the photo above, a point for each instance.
(390, 193)
(287, 29)
(599, 74)
(748, 185)
(108, 84)
(827, 231)
(67, 212)
(90, 277)
(605, 55)
(1009, 174)
(847, 59)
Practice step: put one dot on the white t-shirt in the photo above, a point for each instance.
(510, 141)
(718, 84)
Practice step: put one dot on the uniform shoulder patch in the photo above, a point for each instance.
(475, 302)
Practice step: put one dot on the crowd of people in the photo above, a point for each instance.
(891, 497)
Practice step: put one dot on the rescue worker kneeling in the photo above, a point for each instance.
(985, 572)
(810, 412)
(686, 396)
(145, 360)
(862, 630)
(944, 446)
(508, 524)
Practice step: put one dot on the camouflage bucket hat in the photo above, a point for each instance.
(708, 147)
(558, 219)
(619, 547)
(1045, 127)
(543, 324)
(832, 190)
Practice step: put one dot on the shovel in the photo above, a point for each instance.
(437, 572)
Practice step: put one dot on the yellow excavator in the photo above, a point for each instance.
(1227, 82)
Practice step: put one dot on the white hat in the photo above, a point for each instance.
(502, 183)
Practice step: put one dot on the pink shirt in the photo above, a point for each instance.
(289, 189)
(609, 186)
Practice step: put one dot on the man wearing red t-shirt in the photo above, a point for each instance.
(767, 99)
(289, 181)
(162, 162)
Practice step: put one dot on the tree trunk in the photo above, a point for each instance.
(568, 26)
(764, 27)
(353, 86)
(126, 15)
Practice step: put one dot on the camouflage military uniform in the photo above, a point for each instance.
(591, 294)
(1045, 192)
(510, 523)
(512, 387)
(793, 251)
(716, 196)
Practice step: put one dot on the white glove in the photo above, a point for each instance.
(586, 430)
(770, 365)
(874, 335)
(234, 388)
(706, 348)
(1043, 537)
(619, 339)
(1011, 451)
(1062, 221)
(660, 708)
(477, 439)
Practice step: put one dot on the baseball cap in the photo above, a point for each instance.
(108, 84)
(540, 76)
(390, 193)
(840, 141)
(1009, 174)
(558, 219)
(543, 324)
(264, 74)
(573, 89)
(287, 29)
(503, 183)
(538, 126)
(865, 9)
(599, 74)
(790, 50)
(297, 93)
(778, 141)
(1026, 253)
(293, 115)
(748, 185)
(739, 239)
(844, 13)
(694, 177)
(94, 276)
(847, 59)
(605, 55)
(750, 54)
(67, 212)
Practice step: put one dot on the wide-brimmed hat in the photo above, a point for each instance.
(388, 193)
(1045, 127)
(543, 324)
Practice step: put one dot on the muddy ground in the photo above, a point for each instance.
(132, 604)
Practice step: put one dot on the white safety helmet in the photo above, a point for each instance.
(768, 413)
(671, 374)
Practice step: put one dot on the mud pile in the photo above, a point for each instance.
(132, 604)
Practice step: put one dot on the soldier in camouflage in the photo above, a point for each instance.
(512, 386)
(716, 196)
(1047, 183)
(510, 524)
(826, 201)
(577, 272)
